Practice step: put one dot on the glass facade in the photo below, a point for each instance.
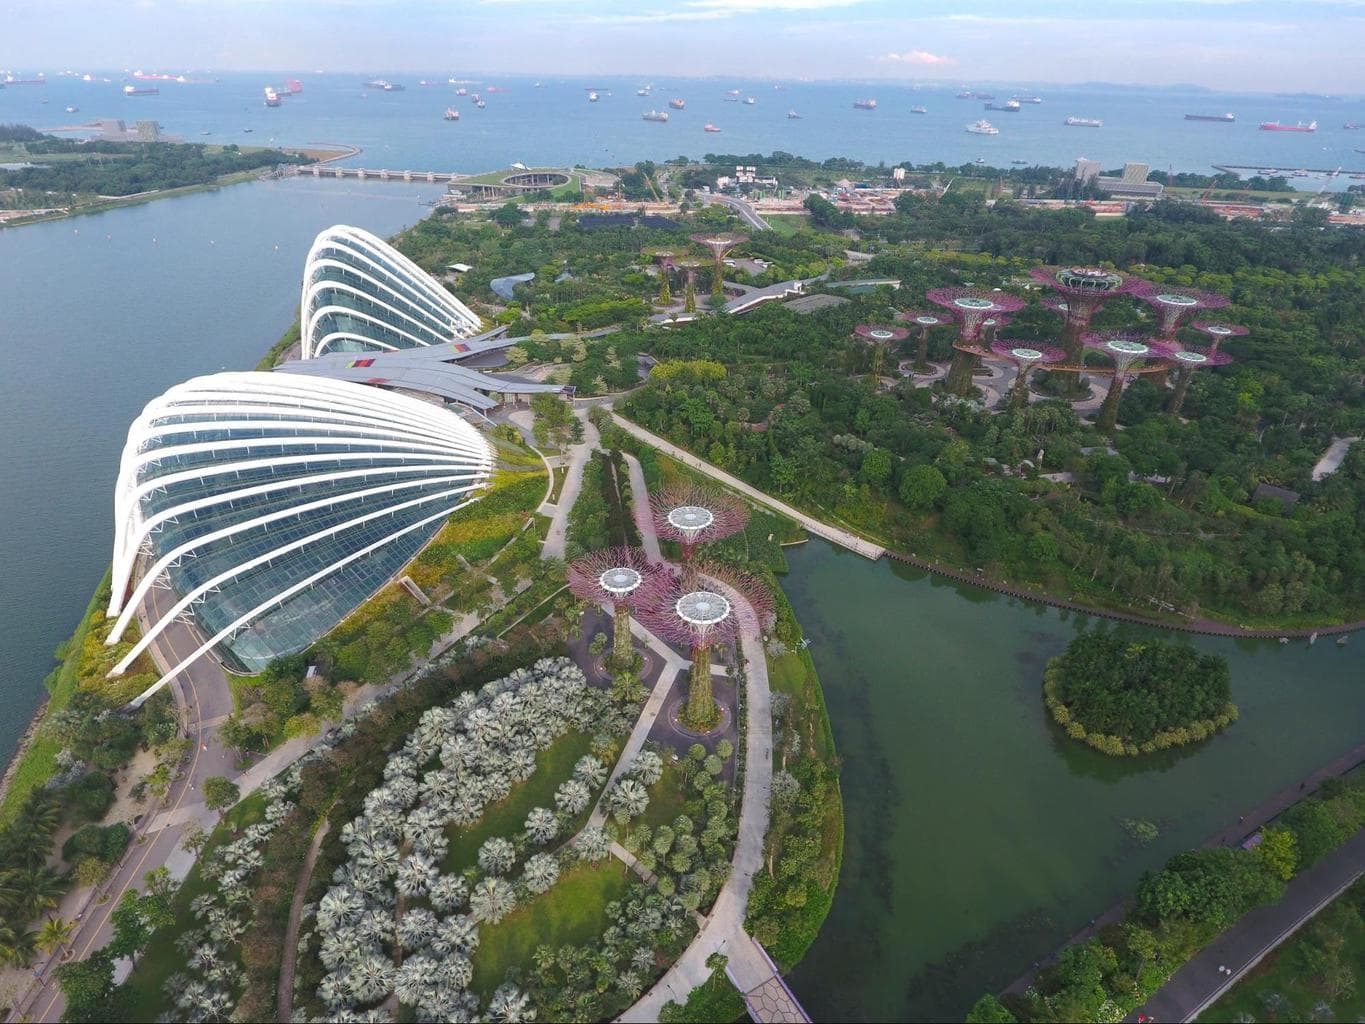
(272, 505)
(362, 295)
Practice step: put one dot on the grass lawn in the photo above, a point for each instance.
(1290, 983)
(666, 797)
(715, 1000)
(787, 223)
(794, 673)
(162, 959)
(572, 913)
(553, 766)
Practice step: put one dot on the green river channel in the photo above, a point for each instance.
(978, 837)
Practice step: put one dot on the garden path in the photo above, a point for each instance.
(285, 1006)
(573, 482)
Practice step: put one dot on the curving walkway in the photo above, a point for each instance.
(285, 1005)
(573, 483)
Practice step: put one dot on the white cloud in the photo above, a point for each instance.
(654, 18)
(922, 57)
(745, 6)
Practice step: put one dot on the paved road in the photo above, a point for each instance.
(1198, 984)
(841, 537)
(573, 482)
(745, 211)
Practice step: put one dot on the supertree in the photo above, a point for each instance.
(926, 322)
(1218, 332)
(1185, 362)
(881, 338)
(623, 577)
(971, 307)
(1082, 291)
(692, 514)
(690, 265)
(1173, 304)
(1023, 355)
(1127, 351)
(719, 245)
(700, 615)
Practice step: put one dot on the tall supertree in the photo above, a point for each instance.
(1220, 332)
(1185, 362)
(1173, 305)
(971, 308)
(719, 245)
(692, 515)
(926, 322)
(881, 337)
(1128, 351)
(699, 615)
(622, 577)
(1026, 358)
(1082, 291)
(689, 265)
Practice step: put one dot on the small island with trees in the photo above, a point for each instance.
(1125, 696)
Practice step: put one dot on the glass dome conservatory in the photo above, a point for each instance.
(265, 507)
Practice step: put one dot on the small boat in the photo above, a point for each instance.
(660, 116)
(462, 91)
(792, 115)
(452, 114)
(248, 130)
(642, 91)
(272, 98)
(203, 133)
(480, 102)
(864, 104)
(708, 127)
(1225, 118)
(1351, 126)
(918, 110)
(677, 104)
(1083, 122)
(732, 96)
(592, 96)
(1029, 99)
(749, 101)
(72, 110)
(983, 127)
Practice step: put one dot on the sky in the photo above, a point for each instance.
(1237, 45)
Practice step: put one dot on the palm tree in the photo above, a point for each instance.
(492, 900)
(628, 800)
(590, 771)
(542, 825)
(340, 905)
(416, 928)
(544, 959)
(541, 873)
(459, 934)
(573, 796)
(457, 971)
(42, 890)
(415, 977)
(592, 843)
(629, 983)
(414, 876)
(372, 978)
(648, 767)
(16, 944)
(448, 892)
(510, 1005)
(497, 855)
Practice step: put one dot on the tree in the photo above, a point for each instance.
(922, 486)
(88, 986)
(55, 933)
(220, 793)
(1279, 849)
(132, 931)
(508, 215)
(988, 1009)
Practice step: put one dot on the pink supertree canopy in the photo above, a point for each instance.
(695, 616)
(750, 588)
(1083, 289)
(1127, 349)
(720, 243)
(1027, 353)
(971, 306)
(1185, 362)
(1173, 304)
(925, 321)
(618, 575)
(1220, 332)
(881, 334)
(692, 514)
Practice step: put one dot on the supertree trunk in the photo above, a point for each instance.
(1182, 386)
(922, 352)
(665, 293)
(622, 645)
(1109, 410)
(959, 379)
(701, 705)
(718, 282)
(690, 300)
(1019, 392)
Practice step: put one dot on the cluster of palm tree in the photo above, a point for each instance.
(204, 990)
(28, 887)
(393, 926)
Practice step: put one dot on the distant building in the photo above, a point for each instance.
(1135, 174)
(148, 131)
(1087, 170)
(898, 174)
(1132, 184)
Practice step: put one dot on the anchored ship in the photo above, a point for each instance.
(918, 110)
(677, 104)
(792, 115)
(969, 94)
(655, 115)
(132, 90)
(293, 86)
(864, 104)
(749, 101)
(1083, 122)
(708, 127)
(592, 96)
(1009, 106)
(452, 114)
(1275, 126)
(1210, 117)
(272, 98)
(1029, 99)
(983, 127)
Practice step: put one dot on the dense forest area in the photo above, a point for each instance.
(1162, 517)
(123, 168)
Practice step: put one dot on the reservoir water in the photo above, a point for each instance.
(977, 835)
(100, 313)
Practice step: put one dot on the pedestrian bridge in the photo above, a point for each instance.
(766, 995)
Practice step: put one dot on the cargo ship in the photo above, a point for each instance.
(480, 102)
(792, 115)
(383, 85)
(655, 115)
(864, 104)
(1083, 122)
(708, 127)
(969, 94)
(462, 91)
(15, 80)
(132, 90)
(1029, 99)
(272, 98)
(1009, 106)
(918, 110)
(1275, 126)
(677, 104)
(1351, 126)
(592, 96)
(749, 101)
(732, 96)
(293, 86)
(1211, 117)
(452, 114)
(983, 127)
